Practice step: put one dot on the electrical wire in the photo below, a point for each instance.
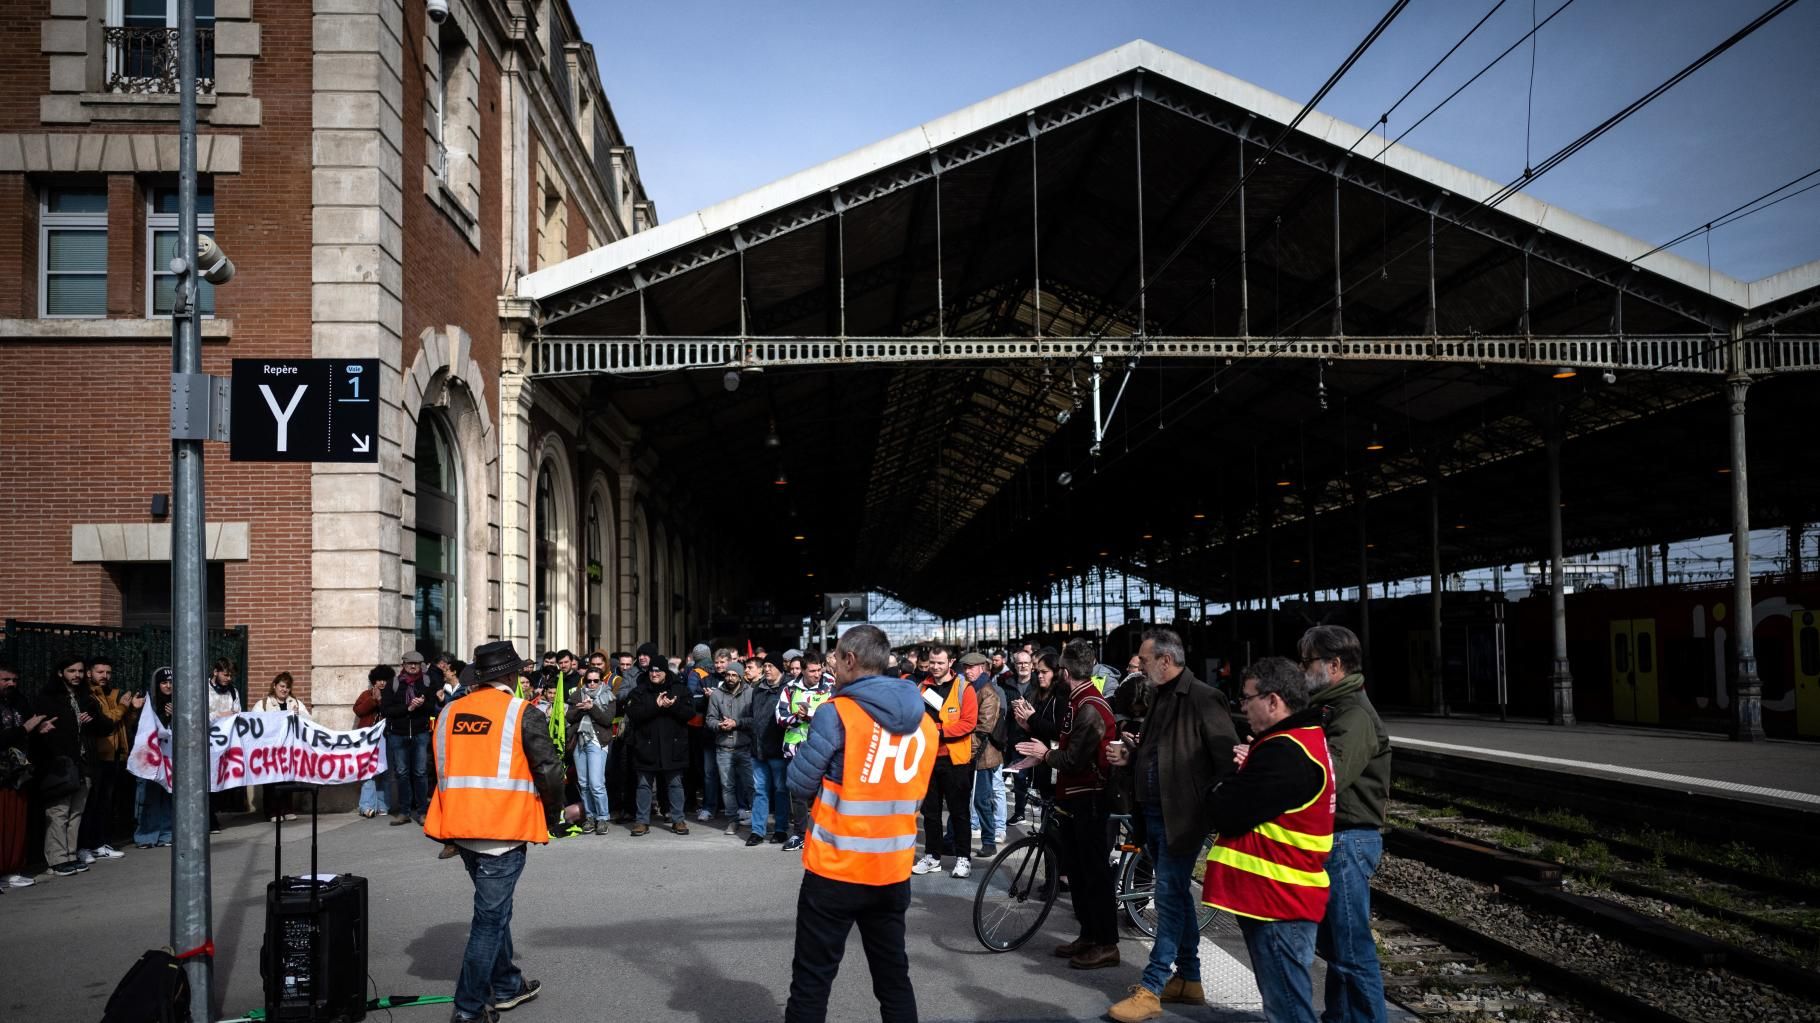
(1555, 160)
(1384, 118)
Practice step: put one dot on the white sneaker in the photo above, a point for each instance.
(108, 852)
(745, 816)
(85, 856)
(17, 881)
(926, 865)
(962, 866)
(999, 837)
(704, 815)
(732, 829)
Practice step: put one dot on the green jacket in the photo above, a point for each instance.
(1360, 749)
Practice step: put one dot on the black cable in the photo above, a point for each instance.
(1506, 192)
(1495, 61)
(1529, 118)
(1436, 66)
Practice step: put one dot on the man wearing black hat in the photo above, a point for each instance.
(499, 787)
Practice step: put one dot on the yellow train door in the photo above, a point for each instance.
(1623, 672)
(1643, 644)
(1807, 672)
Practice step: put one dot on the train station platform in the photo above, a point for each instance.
(1773, 773)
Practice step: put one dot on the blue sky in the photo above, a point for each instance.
(719, 98)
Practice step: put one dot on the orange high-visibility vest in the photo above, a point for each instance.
(1278, 870)
(863, 827)
(960, 750)
(484, 788)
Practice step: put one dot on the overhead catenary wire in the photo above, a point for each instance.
(1384, 118)
(1504, 193)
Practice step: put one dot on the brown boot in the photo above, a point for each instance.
(640, 828)
(1141, 1004)
(679, 827)
(1073, 948)
(1188, 992)
(1095, 957)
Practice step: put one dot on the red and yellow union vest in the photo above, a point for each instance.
(863, 828)
(1277, 871)
(484, 789)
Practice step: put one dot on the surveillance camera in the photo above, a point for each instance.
(1065, 478)
(211, 263)
(438, 10)
(1062, 417)
(1609, 377)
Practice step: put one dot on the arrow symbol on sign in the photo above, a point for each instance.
(362, 444)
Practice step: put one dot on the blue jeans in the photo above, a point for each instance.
(735, 771)
(487, 973)
(372, 793)
(986, 807)
(409, 760)
(710, 780)
(591, 778)
(1178, 922)
(1282, 961)
(648, 782)
(154, 816)
(1355, 987)
(769, 796)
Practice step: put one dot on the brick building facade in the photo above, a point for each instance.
(381, 181)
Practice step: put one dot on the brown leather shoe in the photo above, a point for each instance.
(1141, 1004)
(1095, 957)
(1187, 992)
(640, 828)
(679, 827)
(1073, 948)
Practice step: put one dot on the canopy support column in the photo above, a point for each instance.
(1561, 704)
(1747, 713)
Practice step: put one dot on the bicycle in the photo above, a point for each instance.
(1018, 890)
(1136, 888)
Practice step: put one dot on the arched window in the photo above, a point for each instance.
(438, 533)
(596, 567)
(548, 582)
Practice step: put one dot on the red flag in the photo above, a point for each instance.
(748, 646)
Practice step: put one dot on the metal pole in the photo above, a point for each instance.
(191, 924)
(1364, 578)
(1270, 593)
(1747, 715)
(1438, 662)
(1561, 707)
(1244, 256)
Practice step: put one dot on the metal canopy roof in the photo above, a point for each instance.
(926, 313)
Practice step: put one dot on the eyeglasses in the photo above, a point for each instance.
(1309, 662)
(1245, 698)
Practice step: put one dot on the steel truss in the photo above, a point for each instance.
(554, 356)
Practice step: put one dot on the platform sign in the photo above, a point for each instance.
(305, 410)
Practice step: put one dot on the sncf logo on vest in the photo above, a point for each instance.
(472, 724)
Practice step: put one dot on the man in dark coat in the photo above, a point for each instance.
(659, 711)
(1185, 747)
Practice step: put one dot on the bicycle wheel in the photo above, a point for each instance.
(1015, 894)
(1137, 891)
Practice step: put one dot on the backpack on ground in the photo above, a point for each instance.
(155, 990)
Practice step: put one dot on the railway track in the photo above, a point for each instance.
(1517, 952)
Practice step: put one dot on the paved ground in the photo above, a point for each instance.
(659, 928)
(1776, 769)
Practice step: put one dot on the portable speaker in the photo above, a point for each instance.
(315, 957)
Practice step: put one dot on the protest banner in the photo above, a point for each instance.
(262, 749)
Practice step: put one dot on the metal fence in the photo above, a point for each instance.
(33, 648)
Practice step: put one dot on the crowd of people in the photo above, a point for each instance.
(752, 743)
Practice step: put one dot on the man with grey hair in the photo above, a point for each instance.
(1360, 749)
(1185, 749)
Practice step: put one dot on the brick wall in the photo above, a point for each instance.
(463, 287)
(85, 424)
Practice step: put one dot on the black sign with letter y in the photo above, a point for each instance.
(305, 410)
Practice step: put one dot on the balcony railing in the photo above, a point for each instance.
(143, 59)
